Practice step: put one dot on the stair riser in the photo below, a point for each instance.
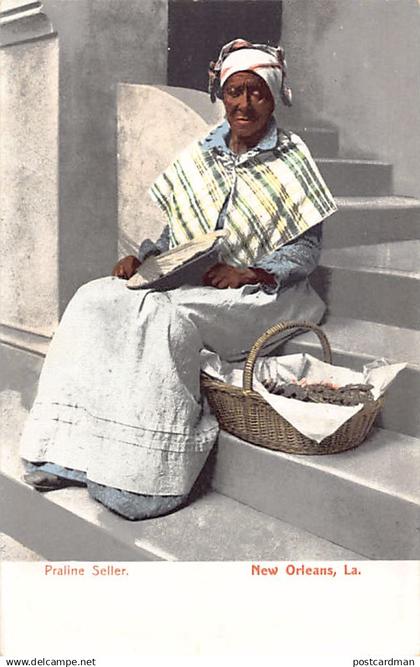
(378, 297)
(370, 522)
(321, 144)
(400, 412)
(357, 179)
(352, 227)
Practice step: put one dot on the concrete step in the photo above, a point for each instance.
(321, 141)
(374, 282)
(363, 178)
(370, 220)
(69, 525)
(357, 342)
(24, 340)
(366, 499)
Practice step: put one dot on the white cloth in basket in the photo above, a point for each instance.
(314, 420)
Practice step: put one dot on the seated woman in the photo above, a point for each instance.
(119, 406)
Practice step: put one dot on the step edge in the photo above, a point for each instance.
(355, 202)
(355, 161)
(374, 270)
(314, 128)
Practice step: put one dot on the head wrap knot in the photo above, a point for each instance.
(266, 61)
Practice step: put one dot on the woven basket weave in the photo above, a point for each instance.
(244, 413)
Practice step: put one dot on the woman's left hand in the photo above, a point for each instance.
(223, 275)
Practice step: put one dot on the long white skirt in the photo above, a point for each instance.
(119, 394)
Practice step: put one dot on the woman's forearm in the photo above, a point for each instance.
(294, 261)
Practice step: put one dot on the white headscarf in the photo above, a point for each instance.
(266, 61)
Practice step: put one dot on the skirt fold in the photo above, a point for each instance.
(119, 394)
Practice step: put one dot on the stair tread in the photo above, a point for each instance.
(367, 339)
(214, 527)
(387, 462)
(399, 258)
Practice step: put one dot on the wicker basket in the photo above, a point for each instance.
(244, 413)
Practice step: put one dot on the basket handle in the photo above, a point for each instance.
(272, 331)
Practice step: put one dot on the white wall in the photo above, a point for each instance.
(29, 186)
(60, 65)
(356, 64)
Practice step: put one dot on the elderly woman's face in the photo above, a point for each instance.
(248, 103)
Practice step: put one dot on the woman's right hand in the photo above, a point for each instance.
(126, 267)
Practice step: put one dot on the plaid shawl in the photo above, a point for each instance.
(273, 197)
